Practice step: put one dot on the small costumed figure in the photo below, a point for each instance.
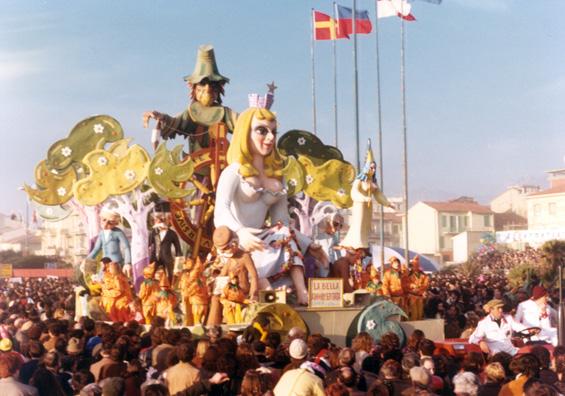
(328, 238)
(147, 292)
(195, 297)
(374, 286)
(363, 190)
(116, 294)
(394, 283)
(166, 301)
(418, 284)
(349, 268)
(233, 299)
(231, 259)
(164, 244)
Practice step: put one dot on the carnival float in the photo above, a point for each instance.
(236, 227)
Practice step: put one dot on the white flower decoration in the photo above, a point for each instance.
(341, 192)
(292, 182)
(158, 171)
(309, 179)
(66, 151)
(55, 171)
(61, 191)
(301, 141)
(102, 161)
(371, 325)
(98, 128)
(129, 174)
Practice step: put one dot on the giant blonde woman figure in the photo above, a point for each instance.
(251, 190)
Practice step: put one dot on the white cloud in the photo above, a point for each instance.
(14, 65)
(486, 5)
(29, 22)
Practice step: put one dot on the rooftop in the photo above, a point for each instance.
(553, 190)
(463, 207)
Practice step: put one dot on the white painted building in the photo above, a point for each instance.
(546, 215)
(433, 225)
(65, 238)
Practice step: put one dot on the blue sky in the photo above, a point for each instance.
(485, 81)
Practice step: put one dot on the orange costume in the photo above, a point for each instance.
(233, 299)
(147, 292)
(116, 295)
(394, 283)
(418, 283)
(194, 292)
(166, 301)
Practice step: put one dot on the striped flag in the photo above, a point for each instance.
(345, 21)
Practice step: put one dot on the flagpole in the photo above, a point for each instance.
(380, 135)
(355, 87)
(404, 137)
(313, 73)
(334, 51)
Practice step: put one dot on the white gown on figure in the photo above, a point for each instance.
(239, 205)
(362, 193)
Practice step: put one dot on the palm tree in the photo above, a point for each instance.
(553, 253)
(470, 269)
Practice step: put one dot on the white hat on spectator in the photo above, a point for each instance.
(298, 349)
(420, 375)
(466, 382)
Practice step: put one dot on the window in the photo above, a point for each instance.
(452, 223)
(443, 221)
(551, 207)
(487, 220)
(441, 242)
(462, 223)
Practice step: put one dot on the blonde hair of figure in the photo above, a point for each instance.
(240, 153)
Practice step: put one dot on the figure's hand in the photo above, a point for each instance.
(151, 114)
(219, 378)
(392, 206)
(248, 239)
(127, 270)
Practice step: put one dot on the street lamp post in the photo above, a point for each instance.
(26, 240)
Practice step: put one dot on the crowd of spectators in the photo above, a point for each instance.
(459, 298)
(44, 351)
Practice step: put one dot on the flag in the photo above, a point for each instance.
(399, 8)
(345, 21)
(325, 27)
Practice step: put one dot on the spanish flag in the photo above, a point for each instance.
(325, 27)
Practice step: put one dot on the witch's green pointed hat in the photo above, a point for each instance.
(206, 67)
